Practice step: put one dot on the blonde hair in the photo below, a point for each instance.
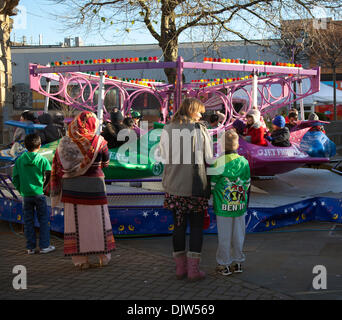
(188, 108)
(231, 140)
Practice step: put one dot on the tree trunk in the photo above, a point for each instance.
(6, 98)
(169, 39)
(334, 84)
(170, 50)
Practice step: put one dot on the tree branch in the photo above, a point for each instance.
(147, 20)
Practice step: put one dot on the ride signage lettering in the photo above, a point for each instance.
(284, 152)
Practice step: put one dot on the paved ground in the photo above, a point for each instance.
(279, 266)
(135, 273)
(282, 260)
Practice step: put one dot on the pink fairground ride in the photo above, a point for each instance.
(84, 85)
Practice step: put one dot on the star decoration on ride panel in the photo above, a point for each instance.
(145, 214)
(255, 214)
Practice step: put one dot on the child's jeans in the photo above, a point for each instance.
(38, 204)
(231, 236)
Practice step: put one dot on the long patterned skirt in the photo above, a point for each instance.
(87, 231)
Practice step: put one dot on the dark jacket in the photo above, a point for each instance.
(110, 133)
(290, 126)
(281, 137)
(52, 131)
(58, 120)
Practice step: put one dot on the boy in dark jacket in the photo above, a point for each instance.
(280, 136)
(28, 178)
(112, 129)
(52, 131)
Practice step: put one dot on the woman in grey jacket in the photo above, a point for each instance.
(185, 148)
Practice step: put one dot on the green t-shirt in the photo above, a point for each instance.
(29, 172)
(232, 183)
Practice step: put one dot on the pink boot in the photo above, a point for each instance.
(181, 265)
(194, 272)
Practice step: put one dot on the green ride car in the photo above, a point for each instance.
(133, 160)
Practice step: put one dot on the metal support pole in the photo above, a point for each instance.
(165, 110)
(179, 84)
(120, 102)
(301, 102)
(255, 89)
(47, 99)
(101, 100)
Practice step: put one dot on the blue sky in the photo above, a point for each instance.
(38, 17)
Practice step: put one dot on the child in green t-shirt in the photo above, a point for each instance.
(29, 173)
(230, 205)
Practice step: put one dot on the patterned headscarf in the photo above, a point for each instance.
(84, 126)
(76, 152)
(82, 131)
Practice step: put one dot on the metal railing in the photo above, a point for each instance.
(134, 194)
(8, 191)
(6, 183)
(337, 166)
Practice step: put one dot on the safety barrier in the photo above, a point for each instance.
(152, 219)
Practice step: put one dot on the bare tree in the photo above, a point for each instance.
(167, 20)
(326, 50)
(293, 42)
(7, 7)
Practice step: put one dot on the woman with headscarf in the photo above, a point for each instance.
(77, 180)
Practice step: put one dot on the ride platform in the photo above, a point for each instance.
(294, 197)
